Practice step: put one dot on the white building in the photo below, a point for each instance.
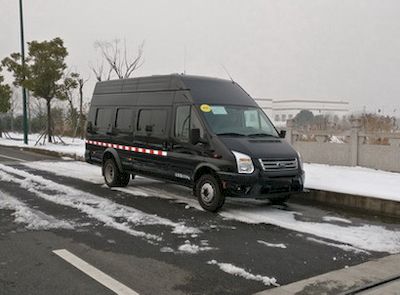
(286, 109)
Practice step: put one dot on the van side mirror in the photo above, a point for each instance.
(149, 128)
(282, 134)
(195, 137)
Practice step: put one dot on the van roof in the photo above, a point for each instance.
(203, 89)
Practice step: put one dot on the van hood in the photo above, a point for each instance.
(273, 148)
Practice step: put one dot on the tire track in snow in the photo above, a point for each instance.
(95, 207)
(32, 218)
(365, 236)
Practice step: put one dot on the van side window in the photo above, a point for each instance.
(185, 120)
(157, 119)
(182, 123)
(195, 123)
(123, 120)
(103, 117)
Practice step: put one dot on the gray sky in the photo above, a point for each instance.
(311, 49)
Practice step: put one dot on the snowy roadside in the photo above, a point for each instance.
(348, 180)
(73, 147)
(353, 181)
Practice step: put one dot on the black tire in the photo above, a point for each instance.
(112, 176)
(208, 192)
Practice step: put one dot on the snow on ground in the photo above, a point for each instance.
(193, 249)
(33, 219)
(283, 246)
(367, 237)
(336, 219)
(240, 272)
(340, 246)
(167, 250)
(74, 147)
(96, 207)
(353, 180)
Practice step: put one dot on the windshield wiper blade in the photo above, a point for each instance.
(231, 134)
(261, 135)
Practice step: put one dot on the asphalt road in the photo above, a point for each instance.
(29, 266)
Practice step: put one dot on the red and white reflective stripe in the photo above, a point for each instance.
(128, 148)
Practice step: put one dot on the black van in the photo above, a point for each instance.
(204, 133)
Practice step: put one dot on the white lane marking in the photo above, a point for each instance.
(12, 158)
(94, 273)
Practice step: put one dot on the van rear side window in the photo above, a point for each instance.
(154, 120)
(123, 120)
(103, 118)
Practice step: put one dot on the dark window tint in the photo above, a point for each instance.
(182, 123)
(185, 120)
(123, 121)
(103, 117)
(195, 123)
(156, 120)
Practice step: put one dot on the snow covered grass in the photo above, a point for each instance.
(353, 180)
(33, 219)
(73, 147)
(367, 237)
(240, 272)
(96, 207)
(283, 246)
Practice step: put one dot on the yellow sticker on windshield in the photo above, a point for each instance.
(205, 108)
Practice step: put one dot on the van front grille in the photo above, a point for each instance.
(278, 165)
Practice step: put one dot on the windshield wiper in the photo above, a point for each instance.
(231, 134)
(261, 135)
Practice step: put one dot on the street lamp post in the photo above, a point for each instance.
(24, 99)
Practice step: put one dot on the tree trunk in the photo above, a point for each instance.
(49, 121)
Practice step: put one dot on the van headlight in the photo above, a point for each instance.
(300, 161)
(244, 163)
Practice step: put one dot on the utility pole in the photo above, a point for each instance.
(24, 99)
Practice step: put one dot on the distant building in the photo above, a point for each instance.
(266, 105)
(286, 109)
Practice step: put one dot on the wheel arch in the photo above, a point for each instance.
(111, 153)
(204, 169)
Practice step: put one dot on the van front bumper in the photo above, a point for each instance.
(259, 185)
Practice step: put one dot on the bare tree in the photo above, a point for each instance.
(119, 62)
(81, 122)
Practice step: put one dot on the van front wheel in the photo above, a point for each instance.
(112, 176)
(208, 193)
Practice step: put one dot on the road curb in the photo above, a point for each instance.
(346, 281)
(46, 152)
(365, 204)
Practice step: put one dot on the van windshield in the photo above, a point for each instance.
(238, 121)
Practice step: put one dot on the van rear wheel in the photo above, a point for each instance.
(208, 192)
(112, 176)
